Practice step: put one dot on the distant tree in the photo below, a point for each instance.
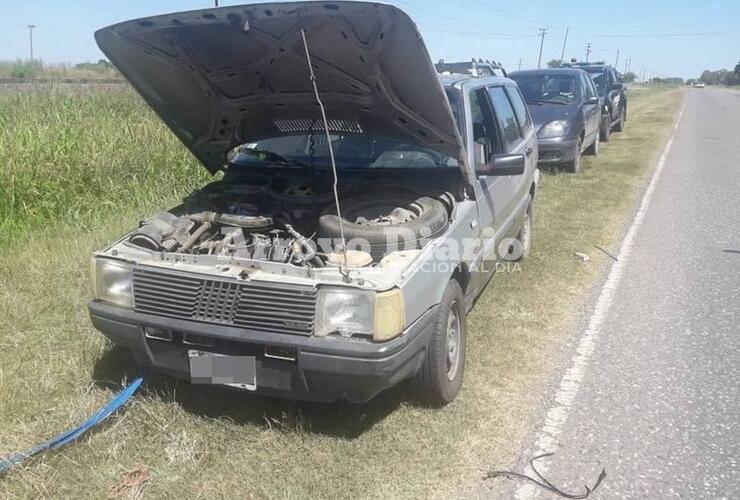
(691, 81)
(737, 69)
(554, 63)
(710, 77)
(629, 77)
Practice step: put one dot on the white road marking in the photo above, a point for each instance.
(547, 438)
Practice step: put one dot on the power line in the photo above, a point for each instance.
(508, 13)
(488, 34)
(650, 35)
(443, 17)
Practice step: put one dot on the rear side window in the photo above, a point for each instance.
(600, 80)
(520, 109)
(588, 86)
(506, 118)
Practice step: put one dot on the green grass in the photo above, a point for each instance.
(76, 156)
(37, 69)
(120, 164)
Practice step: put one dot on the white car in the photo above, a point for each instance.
(699, 85)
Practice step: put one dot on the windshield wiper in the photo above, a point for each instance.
(272, 157)
(540, 102)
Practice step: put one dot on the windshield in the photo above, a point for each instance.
(350, 151)
(556, 89)
(599, 78)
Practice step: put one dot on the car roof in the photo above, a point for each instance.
(455, 80)
(546, 71)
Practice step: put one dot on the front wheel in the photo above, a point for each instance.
(574, 166)
(441, 374)
(619, 127)
(593, 149)
(605, 131)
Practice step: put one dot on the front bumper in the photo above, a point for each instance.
(324, 369)
(556, 150)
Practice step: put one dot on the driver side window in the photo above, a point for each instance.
(484, 128)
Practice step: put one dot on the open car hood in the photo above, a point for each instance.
(232, 75)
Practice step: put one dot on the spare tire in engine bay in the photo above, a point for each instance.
(380, 223)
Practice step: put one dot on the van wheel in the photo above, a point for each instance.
(441, 375)
(574, 166)
(593, 149)
(525, 233)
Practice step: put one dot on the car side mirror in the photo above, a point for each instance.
(616, 86)
(592, 100)
(504, 164)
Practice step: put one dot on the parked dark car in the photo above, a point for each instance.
(612, 94)
(565, 107)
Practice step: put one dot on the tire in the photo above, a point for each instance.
(593, 149)
(605, 131)
(619, 127)
(430, 220)
(441, 374)
(574, 166)
(524, 237)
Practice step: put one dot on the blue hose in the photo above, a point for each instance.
(113, 405)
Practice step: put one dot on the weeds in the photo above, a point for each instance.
(74, 157)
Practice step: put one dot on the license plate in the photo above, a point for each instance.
(220, 369)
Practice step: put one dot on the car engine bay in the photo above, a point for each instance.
(293, 220)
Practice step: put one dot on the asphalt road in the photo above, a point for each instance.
(656, 401)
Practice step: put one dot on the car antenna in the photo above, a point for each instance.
(312, 76)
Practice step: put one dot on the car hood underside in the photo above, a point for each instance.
(232, 75)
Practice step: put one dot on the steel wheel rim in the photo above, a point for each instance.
(453, 342)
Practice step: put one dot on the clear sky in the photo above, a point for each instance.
(672, 38)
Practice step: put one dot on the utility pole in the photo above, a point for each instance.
(617, 61)
(520, 63)
(543, 32)
(215, 2)
(588, 50)
(30, 38)
(565, 40)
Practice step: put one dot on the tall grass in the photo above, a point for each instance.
(74, 155)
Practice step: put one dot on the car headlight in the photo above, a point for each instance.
(112, 281)
(349, 311)
(557, 128)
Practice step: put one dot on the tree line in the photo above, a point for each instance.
(721, 76)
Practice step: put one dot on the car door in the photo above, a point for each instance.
(511, 141)
(526, 125)
(496, 131)
(615, 94)
(591, 109)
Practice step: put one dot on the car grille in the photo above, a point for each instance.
(255, 306)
